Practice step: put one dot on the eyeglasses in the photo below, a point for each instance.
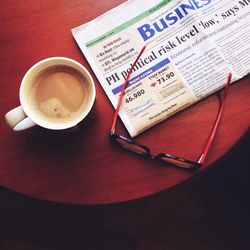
(135, 147)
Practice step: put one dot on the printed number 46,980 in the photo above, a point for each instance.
(135, 95)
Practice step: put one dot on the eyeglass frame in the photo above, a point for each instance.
(146, 151)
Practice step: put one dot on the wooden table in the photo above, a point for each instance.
(84, 167)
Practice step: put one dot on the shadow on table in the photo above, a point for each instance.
(209, 211)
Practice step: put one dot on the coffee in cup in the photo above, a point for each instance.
(56, 93)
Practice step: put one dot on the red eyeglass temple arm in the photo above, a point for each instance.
(215, 127)
(123, 89)
(218, 118)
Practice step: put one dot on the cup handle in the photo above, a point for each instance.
(18, 120)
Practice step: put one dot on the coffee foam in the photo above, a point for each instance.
(54, 108)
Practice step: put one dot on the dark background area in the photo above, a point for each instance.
(209, 211)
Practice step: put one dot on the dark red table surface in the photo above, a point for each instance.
(83, 167)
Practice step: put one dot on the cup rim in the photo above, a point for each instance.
(51, 125)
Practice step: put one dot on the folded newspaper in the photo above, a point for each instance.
(192, 45)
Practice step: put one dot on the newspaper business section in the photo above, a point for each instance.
(148, 30)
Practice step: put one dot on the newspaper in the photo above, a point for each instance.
(191, 46)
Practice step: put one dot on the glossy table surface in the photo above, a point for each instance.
(83, 167)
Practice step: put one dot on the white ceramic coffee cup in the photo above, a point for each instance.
(25, 116)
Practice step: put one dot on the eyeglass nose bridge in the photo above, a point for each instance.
(162, 155)
(177, 161)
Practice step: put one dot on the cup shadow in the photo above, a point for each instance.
(57, 142)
